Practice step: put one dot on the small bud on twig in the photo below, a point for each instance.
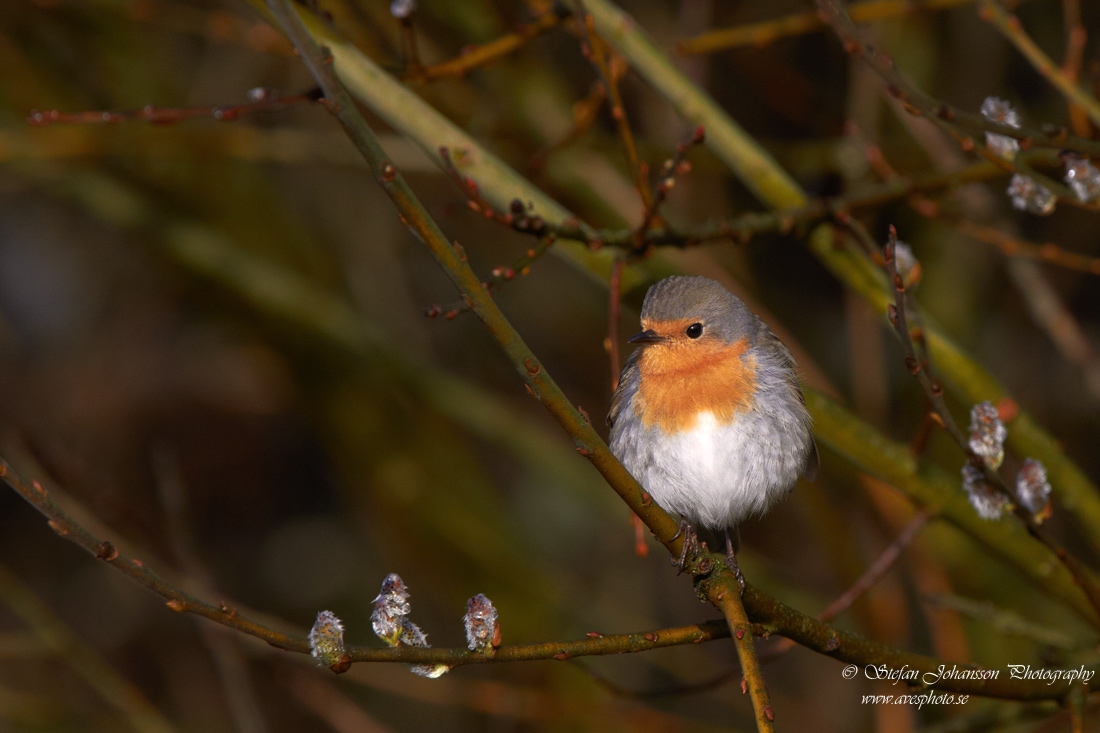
(1030, 196)
(1033, 489)
(986, 500)
(389, 621)
(482, 625)
(987, 434)
(998, 110)
(326, 639)
(1083, 177)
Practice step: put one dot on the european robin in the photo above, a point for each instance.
(708, 414)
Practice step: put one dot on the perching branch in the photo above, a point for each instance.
(716, 582)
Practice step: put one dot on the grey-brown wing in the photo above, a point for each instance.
(790, 374)
(628, 384)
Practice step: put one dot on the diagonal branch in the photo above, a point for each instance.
(716, 582)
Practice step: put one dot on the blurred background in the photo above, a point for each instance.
(213, 349)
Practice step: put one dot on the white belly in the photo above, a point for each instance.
(717, 475)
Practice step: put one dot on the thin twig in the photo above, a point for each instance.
(766, 32)
(409, 47)
(874, 573)
(1009, 26)
(666, 180)
(585, 114)
(878, 568)
(264, 101)
(614, 316)
(240, 693)
(777, 618)
(934, 391)
(598, 53)
(1076, 39)
(476, 57)
(963, 126)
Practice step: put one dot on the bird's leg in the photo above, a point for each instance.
(731, 560)
(691, 542)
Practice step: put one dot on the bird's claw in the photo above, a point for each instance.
(731, 560)
(691, 544)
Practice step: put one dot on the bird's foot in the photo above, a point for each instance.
(731, 560)
(691, 544)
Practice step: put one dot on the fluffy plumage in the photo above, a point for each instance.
(714, 427)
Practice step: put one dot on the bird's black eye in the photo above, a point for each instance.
(695, 330)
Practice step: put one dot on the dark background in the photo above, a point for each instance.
(286, 450)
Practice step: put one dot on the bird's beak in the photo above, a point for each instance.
(648, 337)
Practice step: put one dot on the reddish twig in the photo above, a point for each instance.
(498, 277)
(476, 57)
(595, 49)
(614, 316)
(875, 571)
(768, 31)
(408, 46)
(962, 126)
(1076, 39)
(675, 165)
(1009, 25)
(263, 100)
(585, 113)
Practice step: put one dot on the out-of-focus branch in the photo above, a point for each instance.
(1009, 25)
(85, 661)
(1082, 576)
(769, 31)
(595, 49)
(963, 125)
(264, 102)
(970, 381)
(484, 55)
(929, 487)
(776, 617)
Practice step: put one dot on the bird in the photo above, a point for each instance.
(708, 414)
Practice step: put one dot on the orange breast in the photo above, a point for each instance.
(680, 380)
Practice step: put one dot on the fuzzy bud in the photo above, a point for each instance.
(481, 624)
(986, 500)
(907, 264)
(402, 9)
(411, 635)
(1083, 177)
(390, 608)
(998, 110)
(391, 624)
(1030, 196)
(987, 434)
(326, 639)
(1033, 489)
